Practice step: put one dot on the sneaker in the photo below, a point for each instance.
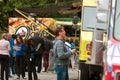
(10, 76)
(24, 77)
(44, 71)
(18, 78)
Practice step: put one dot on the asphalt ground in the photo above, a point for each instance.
(73, 75)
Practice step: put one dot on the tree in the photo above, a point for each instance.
(7, 6)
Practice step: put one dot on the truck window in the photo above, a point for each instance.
(89, 18)
(117, 21)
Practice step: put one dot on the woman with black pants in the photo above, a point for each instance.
(4, 56)
(20, 55)
(30, 50)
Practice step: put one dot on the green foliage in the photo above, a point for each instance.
(7, 6)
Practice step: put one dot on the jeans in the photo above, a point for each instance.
(12, 65)
(62, 72)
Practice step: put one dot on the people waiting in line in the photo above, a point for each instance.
(72, 57)
(20, 48)
(33, 51)
(12, 67)
(4, 56)
(30, 55)
(47, 47)
(38, 45)
(61, 54)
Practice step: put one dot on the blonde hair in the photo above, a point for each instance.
(4, 35)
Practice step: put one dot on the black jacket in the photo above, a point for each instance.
(38, 40)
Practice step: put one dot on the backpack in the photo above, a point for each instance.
(47, 45)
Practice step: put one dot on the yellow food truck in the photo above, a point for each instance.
(88, 23)
(87, 70)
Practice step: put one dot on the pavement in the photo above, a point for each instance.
(73, 75)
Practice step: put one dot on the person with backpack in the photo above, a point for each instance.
(61, 54)
(39, 46)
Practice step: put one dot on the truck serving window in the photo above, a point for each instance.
(89, 18)
(117, 21)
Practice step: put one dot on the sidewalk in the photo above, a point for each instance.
(73, 75)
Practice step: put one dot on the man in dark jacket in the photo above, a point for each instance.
(38, 45)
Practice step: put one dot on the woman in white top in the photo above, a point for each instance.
(4, 56)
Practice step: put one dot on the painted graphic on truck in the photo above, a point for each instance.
(27, 28)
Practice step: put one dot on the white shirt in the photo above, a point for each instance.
(4, 47)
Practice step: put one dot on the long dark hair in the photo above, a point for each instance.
(21, 40)
(28, 47)
(29, 42)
